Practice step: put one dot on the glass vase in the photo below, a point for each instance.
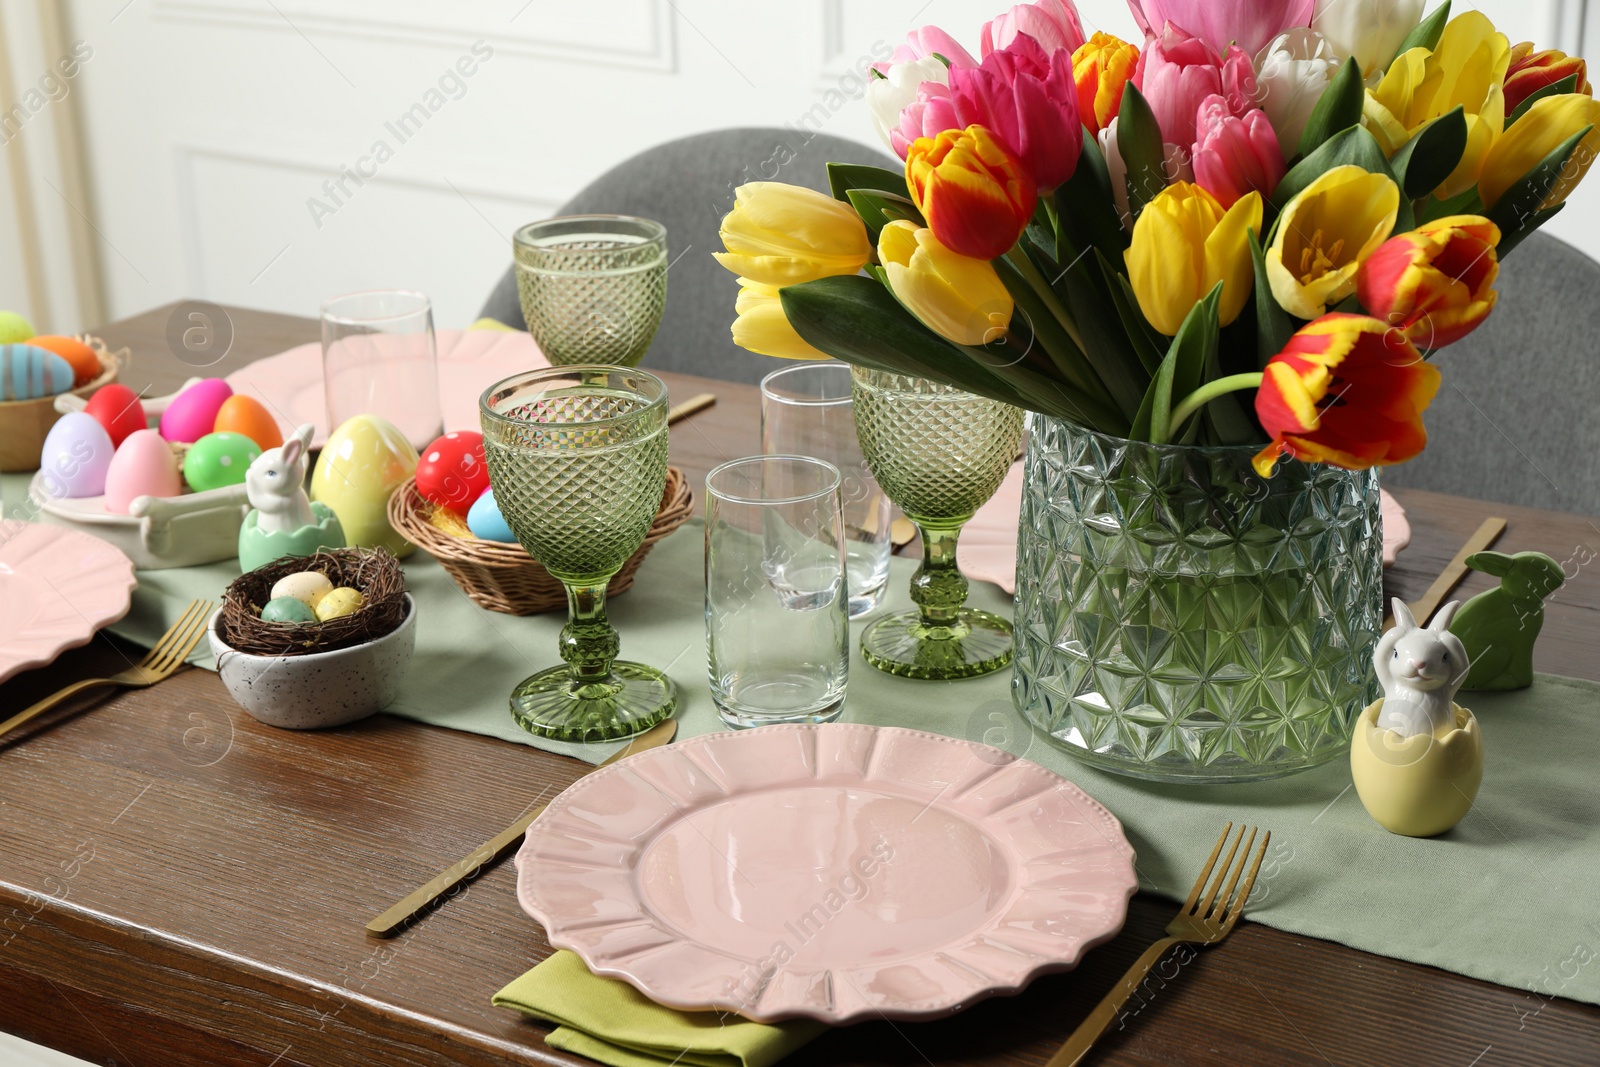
(1181, 619)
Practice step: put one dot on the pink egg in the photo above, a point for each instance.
(193, 413)
(143, 466)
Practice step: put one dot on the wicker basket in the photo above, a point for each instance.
(504, 577)
(24, 424)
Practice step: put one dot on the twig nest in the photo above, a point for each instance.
(262, 609)
(1421, 785)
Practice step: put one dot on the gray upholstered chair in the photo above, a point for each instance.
(687, 185)
(1516, 417)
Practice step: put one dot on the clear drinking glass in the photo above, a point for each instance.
(578, 459)
(940, 453)
(378, 358)
(593, 287)
(807, 410)
(777, 623)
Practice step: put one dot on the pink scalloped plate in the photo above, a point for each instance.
(987, 550)
(469, 361)
(57, 588)
(836, 872)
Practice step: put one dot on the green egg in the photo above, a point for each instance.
(287, 609)
(218, 459)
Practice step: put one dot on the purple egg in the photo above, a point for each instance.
(76, 455)
(193, 413)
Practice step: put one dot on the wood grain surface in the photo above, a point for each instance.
(180, 885)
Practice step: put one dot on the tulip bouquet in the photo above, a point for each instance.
(1300, 198)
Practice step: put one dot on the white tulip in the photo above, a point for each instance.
(891, 94)
(1370, 30)
(1291, 74)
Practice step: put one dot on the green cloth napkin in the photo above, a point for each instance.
(608, 1020)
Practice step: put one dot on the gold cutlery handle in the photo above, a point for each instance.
(1089, 1031)
(49, 702)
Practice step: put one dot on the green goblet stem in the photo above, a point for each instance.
(589, 643)
(938, 588)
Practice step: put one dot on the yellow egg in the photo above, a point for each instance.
(363, 463)
(338, 603)
(308, 587)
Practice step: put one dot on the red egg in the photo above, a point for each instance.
(117, 408)
(452, 472)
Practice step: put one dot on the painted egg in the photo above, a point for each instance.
(486, 522)
(217, 460)
(142, 466)
(117, 408)
(363, 463)
(452, 472)
(192, 413)
(14, 328)
(85, 364)
(247, 415)
(27, 373)
(339, 603)
(77, 453)
(287, 609)
(308, 587)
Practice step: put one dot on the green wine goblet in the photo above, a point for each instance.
(578, 462)
(592, 287)
(940, 454)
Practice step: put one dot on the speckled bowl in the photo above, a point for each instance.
(321, 689)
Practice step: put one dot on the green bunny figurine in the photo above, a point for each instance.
(1499, 627)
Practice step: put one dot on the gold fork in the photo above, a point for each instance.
(161, 662)
(1197, 923)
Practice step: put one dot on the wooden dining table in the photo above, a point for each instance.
(181, 885)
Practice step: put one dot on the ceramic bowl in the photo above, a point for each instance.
(321, 689)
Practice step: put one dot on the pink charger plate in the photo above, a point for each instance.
(835, 872)
(987, 550)
(57, 588)
(469, 361)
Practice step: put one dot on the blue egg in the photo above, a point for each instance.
(485, 521)
(28, 372)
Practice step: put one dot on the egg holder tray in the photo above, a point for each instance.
(503, 577)
(371, 571)
(25, 423)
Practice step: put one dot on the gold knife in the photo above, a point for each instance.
(492, 850)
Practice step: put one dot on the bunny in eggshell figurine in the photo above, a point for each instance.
(283, 520)
(1417, 755)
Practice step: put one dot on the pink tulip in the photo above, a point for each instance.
(924, 42)
(1234, 155)
(1027, 99)
(1250, 24)
(1053, 23)
(930, 114)
(1177, 72)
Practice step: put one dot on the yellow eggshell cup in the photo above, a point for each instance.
(1417, 786)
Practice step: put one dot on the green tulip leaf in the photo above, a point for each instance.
(1466, 203)
(842, 177)
(1114, 363)
(1274, 327)
(1143, 151)
(1193, 349)
(1145, 339)
(1518, 210)
(1085, 207)
(1338, 109)
(1565, 86)
(1426, 34)
(878, 209)
(1509, 241)
(1353, 147)
(1432, 155)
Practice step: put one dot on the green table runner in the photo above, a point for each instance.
(1508, 896)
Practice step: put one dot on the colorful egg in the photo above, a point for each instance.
(452, 472)
(192, 413)
(287, 609)
(85, 364)
(143, 466)
(27, 373)
(486, 522)
(247, 415)
(363, 463)
(308, 587)
(14, 328)
(339, 603)
(117, 408)
(218, 460)
(76, 455)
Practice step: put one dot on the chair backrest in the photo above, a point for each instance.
(687, 185)
(1514, 420)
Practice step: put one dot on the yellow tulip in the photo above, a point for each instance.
(780, 235)
(1183, 245)
(1325, 234)
(1467, 70)
(1535, 135)
(957, 297)
(763, 328)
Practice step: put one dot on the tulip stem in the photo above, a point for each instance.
(1036, 281)
(1207, 393)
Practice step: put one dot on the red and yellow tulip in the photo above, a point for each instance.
(1531, 71)
(1101, 69)
(976, 196)
(1346, 390)
(1434, 284)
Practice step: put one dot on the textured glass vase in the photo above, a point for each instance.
(1180, 619)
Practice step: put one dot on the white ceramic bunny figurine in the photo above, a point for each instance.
(276, 482)
(1420, 670)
